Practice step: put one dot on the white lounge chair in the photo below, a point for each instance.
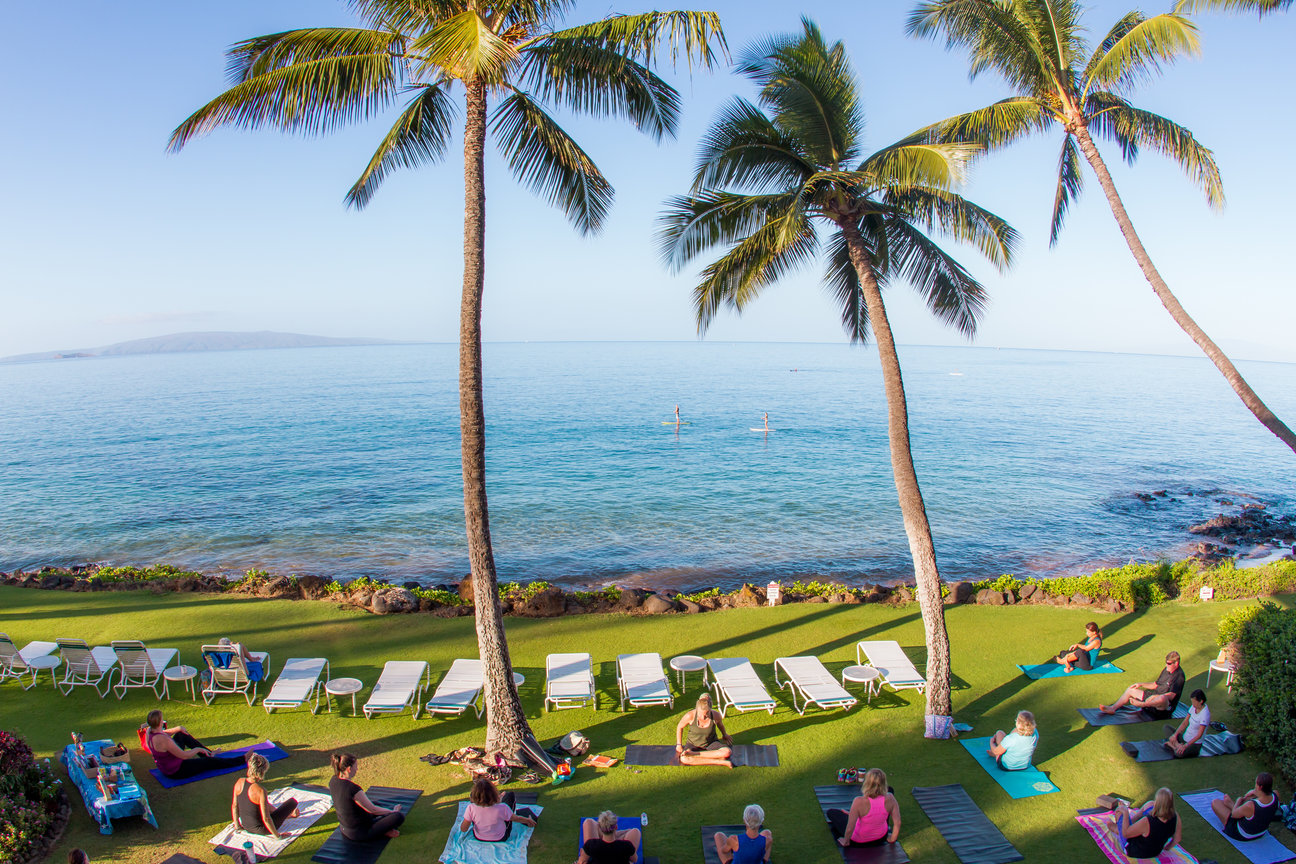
(813, 683)
(13, 663)
(889, 658)
(298, 682)
(227, 672)
(400, 685)
(141, 666)
(86, 666)
(642, 681)
(737, 685)
(459, 690)
(569, 681)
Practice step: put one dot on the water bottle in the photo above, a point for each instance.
(643, 819)
(249, 853)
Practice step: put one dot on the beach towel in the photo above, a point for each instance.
(312, 803)
(462, 848)
(968, 831)
(1096, 821)
(1018, 784)
(1155, 751)
(744, 755)
(1263, 850)
(271, 751)
(1036, 671)
(839, 797)
(1094, 717)
(337, 849)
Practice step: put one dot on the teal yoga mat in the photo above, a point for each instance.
(1055, 670)
(1018, 784)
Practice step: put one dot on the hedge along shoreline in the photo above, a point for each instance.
(1117, 589)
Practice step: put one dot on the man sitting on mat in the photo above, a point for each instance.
(491, 815)
(1149, 830)
(178, 754)
(602, 843)
(1248, 817)
(1082, 655)
(1013, 750)
(708, 741)
(866, 823)
(752, 846)
(1185, 741)
(359, 818)
(1164, 697)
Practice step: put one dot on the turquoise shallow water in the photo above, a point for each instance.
(345, 461)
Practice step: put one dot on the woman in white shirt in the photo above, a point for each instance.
(1185, 741)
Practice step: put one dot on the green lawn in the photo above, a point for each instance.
(987, 642)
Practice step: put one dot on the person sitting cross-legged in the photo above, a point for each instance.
(1165, 694)
(178, 754)
(753, 846)
(1147, 831)
(250, 809)
(602, 843)
(359, 818)
(867, 822)
(1185, 741)
(707, 741)
(1013, 750)
(491, 815)
(1248, 817)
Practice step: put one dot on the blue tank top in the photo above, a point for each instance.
(750, 851)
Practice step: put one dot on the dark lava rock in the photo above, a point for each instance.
(987, 597)
(549, 603)
(631, 598)
(656, 604)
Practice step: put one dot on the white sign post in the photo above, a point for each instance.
(774, 593)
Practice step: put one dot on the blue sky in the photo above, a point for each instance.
(106, 237)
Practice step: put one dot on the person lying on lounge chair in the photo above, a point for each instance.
(1013, 750)
(602, 843)
(870, 813)
(256, 671)
(707, 742)
(178, 754)
(1248, 817)
(1164, 697)
(491, 815)
(1185, 741)
(250, 808)
(1147, 831)
(753, 846)
(1081, 654)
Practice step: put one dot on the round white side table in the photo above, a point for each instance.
(183, 674)
(343, 687)
(686, 663)
(866, 675)
(49, 661)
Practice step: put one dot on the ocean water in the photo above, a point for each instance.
(345, 461)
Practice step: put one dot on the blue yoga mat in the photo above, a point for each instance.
(271, 751)
(1018, 784)
(623, 822)
(1055, 670)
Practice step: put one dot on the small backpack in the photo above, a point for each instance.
(574, 744)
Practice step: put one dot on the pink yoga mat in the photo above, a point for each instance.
(1096, 825)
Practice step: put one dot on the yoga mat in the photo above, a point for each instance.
(746, 755)
(839, 797)
(1155, 751)
(968, 831)
(339, 850)
(312, 803)
(1018, 784)
(462, 848)
(1262, 850)
(623, 823)
(1094, 717)
(1096, 821)
(177, 858)
(1037, 671)
(268, 749)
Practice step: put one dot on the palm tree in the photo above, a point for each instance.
(1260, 7)
(505, 52)
(1038, 47)
(770, 174)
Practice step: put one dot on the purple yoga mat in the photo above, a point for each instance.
(270, 750)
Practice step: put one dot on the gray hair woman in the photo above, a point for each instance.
(602, 842)
(753, 846)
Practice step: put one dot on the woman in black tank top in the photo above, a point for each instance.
(250, 810)
(1151, 829)
(1248, 817)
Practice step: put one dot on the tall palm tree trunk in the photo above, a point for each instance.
(921, 547)
(505, 721)
(1171, 303)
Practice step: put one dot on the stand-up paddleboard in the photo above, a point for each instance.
(679, 423)
(760, 429)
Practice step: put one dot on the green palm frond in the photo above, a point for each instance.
(1260, 7)
(692, 225)
(996, 125)
(842, 280)
(593, 78)
(695, 36)
(253, 57)
(949, 213)
(405, 16)
(995, 37)
(1173, 141)
(744, 149)
(1101, 111)
(1055, 25)
(1136, 49)
(311, 97)
(917, 160)
(545, 157)
(952, 294)
(419, 137)
(464, 47)
(764, 256)
(1070, 183)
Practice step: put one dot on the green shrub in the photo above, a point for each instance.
(515, 592)
(1234, 622)
(699, 596)
(440, 595)
(1265, 687)
(610, 593)
(142, 574)
(1230, 583)
(29, 797)
(816, 589)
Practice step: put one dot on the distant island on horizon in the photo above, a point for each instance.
(178, 343)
